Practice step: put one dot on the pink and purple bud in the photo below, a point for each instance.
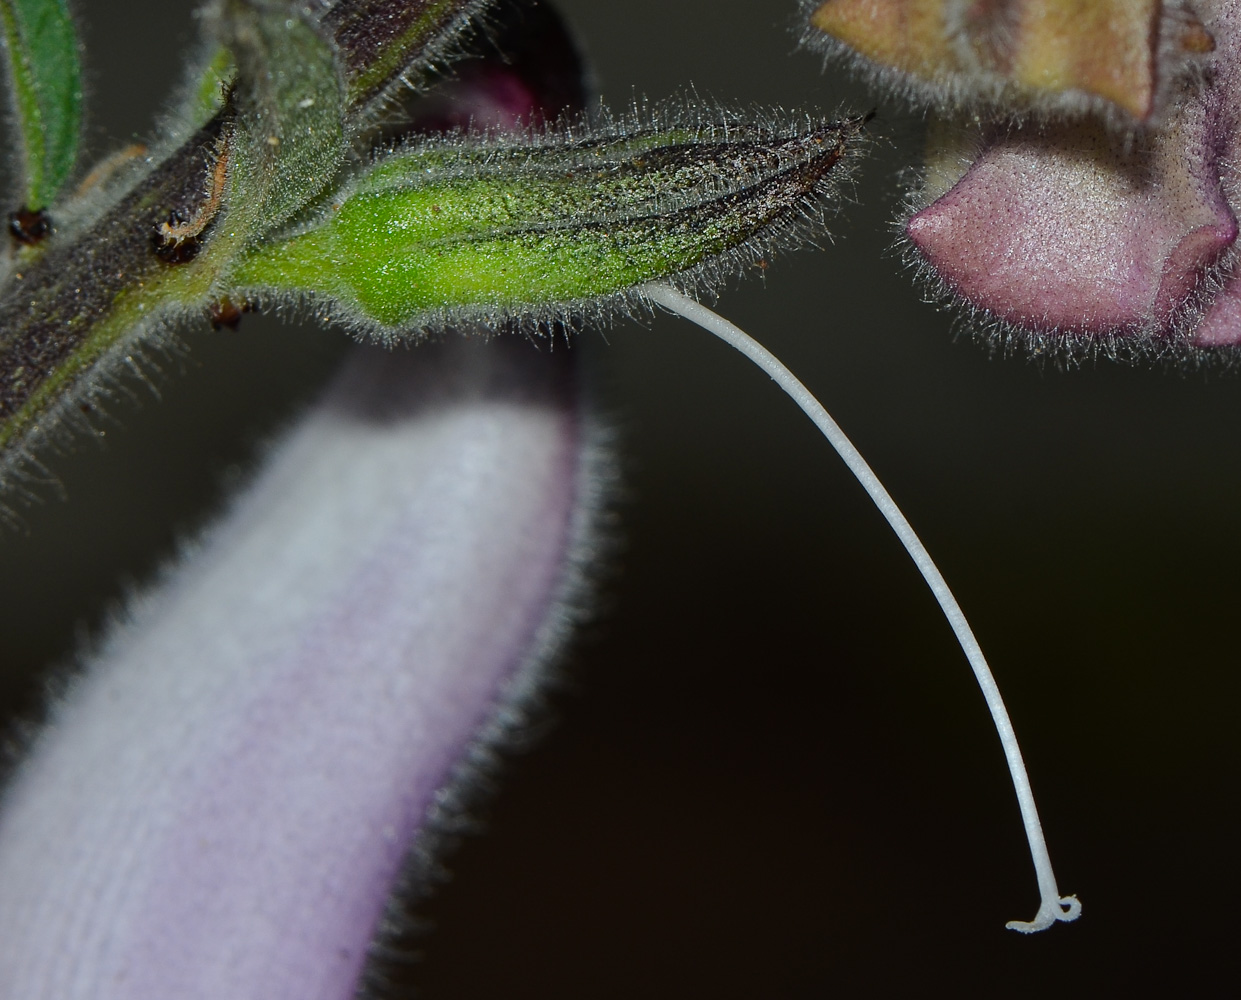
(1106, 221)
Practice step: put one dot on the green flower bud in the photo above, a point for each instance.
(462, 229)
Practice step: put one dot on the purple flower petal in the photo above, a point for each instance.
(1075, 228)
(222, 803)
(1064, 230)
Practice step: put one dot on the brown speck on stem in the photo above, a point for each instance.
(226, 312)
(29, 227)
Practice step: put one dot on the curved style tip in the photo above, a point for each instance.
(1066, 909)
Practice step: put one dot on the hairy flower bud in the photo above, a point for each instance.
(1075, 233)
(448, 231)
(1067, 230)
(1107, 221)
(261, 203)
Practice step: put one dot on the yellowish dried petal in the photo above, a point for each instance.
(1044, 54)
(1101, 47)
(907, 35)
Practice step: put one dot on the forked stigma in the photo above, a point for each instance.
(1052, 906)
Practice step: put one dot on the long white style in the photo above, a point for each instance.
(1052, 905)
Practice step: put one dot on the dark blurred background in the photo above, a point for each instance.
(771, 773)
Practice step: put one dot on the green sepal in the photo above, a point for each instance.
(458, 229)
(289, 97)
(45, 78)
(382, 43)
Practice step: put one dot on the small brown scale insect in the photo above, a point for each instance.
(29, 226)
(227, 313)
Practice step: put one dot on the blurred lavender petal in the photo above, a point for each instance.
(222, 803)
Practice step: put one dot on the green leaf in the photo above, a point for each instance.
(468, 229)
(45, 75)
